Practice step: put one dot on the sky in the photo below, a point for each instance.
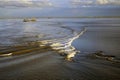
(56, 3)
(20, 8)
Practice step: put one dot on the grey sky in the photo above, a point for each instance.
(55, 3)
(19, 8)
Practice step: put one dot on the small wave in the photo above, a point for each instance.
(9, 54)
(101, 55)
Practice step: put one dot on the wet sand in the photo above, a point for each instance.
(49, 65)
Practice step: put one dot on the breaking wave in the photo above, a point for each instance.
(19, 37)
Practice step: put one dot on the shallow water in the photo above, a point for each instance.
(39, 59)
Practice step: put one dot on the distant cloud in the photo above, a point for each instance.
(56, 3)
(25, 3)
(95, 2)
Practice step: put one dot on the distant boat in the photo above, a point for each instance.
(30, 20)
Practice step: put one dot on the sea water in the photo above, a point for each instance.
(32, 50)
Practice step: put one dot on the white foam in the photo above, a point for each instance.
(67, 48)
(9, 54)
